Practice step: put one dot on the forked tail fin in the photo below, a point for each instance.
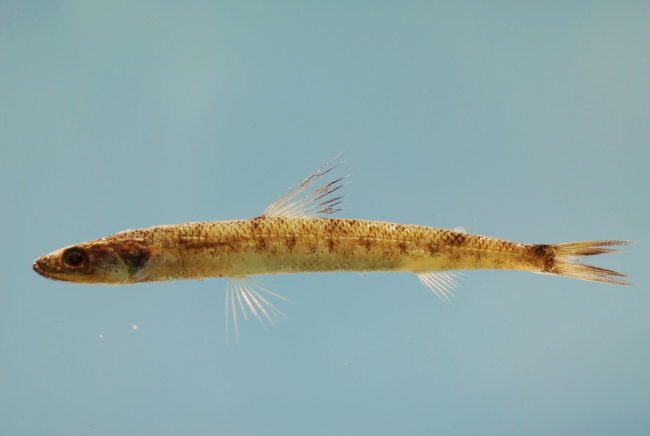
(562, 259)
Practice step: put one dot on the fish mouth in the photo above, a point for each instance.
(37, 267)
(41, 268)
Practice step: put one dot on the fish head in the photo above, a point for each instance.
(97, 262)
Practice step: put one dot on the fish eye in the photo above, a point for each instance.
(74, 258)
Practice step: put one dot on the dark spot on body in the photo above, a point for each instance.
(543, 256)
(135, 256)
(260, 243)
(291, 242)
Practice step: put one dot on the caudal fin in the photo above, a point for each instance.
(562, 259)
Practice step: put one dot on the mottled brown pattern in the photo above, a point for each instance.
(288, 238)
(271, 245)
(295, 245)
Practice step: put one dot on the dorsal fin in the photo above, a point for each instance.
(287, 207)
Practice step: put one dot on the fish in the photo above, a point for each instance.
(296, 234)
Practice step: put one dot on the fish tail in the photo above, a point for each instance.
(563, 260)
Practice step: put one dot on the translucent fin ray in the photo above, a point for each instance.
(567, 256)
(310, 204)
(247, 292)
(442, 284)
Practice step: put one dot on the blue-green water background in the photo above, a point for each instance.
(528, 122)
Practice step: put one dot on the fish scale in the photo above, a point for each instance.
(355, 245)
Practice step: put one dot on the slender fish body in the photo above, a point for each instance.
(292, 236)
(270, 245)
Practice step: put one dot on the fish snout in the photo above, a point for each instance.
(40, 266)
(45, 266)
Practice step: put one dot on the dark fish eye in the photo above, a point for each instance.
(74, 258)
